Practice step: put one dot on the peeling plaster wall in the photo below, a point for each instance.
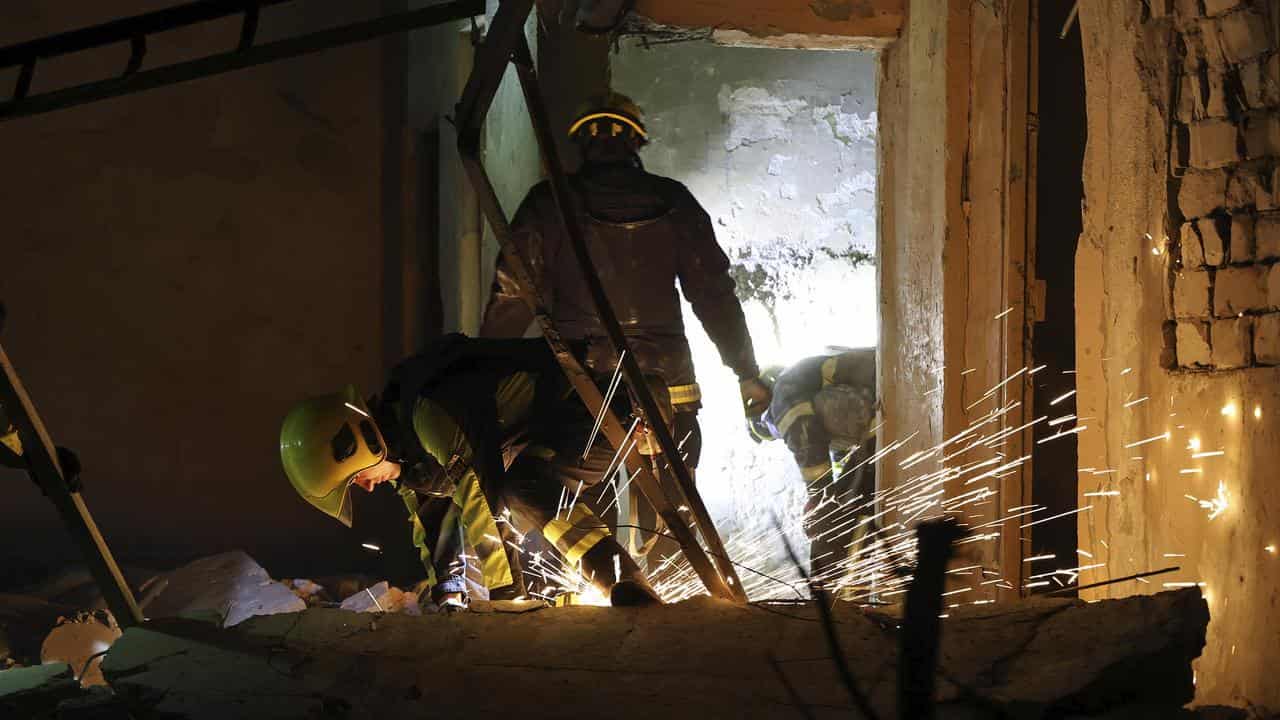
(780, 147)
(1121, 296)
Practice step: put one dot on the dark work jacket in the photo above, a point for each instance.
(644, 233)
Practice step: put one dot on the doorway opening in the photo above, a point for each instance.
(779, 145)
(1059, 194)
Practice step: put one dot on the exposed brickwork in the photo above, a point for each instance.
(1232, 343)
(1266, 340)
(1225, 160)
(1240, 290)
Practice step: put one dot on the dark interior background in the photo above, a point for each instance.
(1059, 194)
(182, 265)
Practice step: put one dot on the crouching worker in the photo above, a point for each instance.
(823, 407)
(454, 432)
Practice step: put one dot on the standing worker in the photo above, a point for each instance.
(824, 407)
(644, 234)
(456, 431)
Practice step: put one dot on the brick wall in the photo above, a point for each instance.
(1224, 299)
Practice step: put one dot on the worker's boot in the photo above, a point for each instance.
(612, 570)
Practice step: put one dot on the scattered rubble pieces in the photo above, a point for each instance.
(383, 598)
(701, 658)
(229, 588)
(81, 641)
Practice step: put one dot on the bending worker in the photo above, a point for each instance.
(457, 432)
(644, 234)
(824, 407)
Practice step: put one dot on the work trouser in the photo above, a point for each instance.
(493, 524)
(838, 512)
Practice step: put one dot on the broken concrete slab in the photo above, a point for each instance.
(80, 641)
(231, 587)
(34, 691)
(697, 659)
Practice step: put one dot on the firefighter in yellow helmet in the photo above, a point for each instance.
(454, 432)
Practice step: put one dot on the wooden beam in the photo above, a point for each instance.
(871, 19)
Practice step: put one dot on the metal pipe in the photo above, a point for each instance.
(238, 59)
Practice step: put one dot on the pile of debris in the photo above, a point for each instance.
(225, 640)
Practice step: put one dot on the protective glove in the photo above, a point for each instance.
(756, 396)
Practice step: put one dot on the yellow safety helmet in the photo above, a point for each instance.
(609, 114)
(324, 442)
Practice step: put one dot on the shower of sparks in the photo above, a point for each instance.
(1062, 397)
(1229, 410)
(1142, 399)
(876, 549)
(1210, 453)
(1161, 436)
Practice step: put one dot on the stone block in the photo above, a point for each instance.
(1204, 44)
(1191, 294)
(1192, 249)
(1262, 134)
(1273, 287)
(1266, 339)
(1247, 188)
(1267, 237)
(1202, 192)
(1218, 7)
(231, 587)
(1243, 35)
(1187, 9)
(1239, 290)
(1211, 231)
(1189, 105)
(1241, 238)
(1193, 344)
(1214, 144)
(1232, 343)
(1260, 81)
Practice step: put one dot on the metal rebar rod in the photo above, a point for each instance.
(241, 58)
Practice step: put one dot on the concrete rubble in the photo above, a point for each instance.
(230, 587)
(702, 658)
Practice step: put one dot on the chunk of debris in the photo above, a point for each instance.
(81, 641)
(311, 592)
(382, 598)
(33, 691)
(701, 658)
(230, 587)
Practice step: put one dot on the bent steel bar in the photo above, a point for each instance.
(504, 43)
(41, 460)
(245, 55)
